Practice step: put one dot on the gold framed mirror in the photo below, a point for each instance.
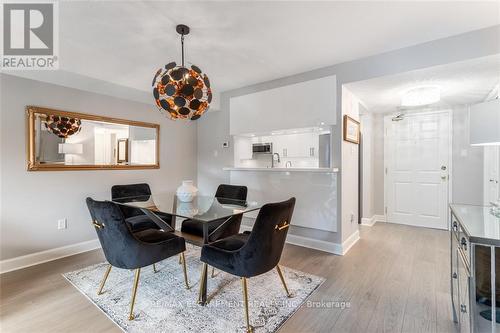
(61, 140)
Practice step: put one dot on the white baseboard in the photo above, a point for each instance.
(349, 242)
(36, 258)
(317, 244)
(370, 221)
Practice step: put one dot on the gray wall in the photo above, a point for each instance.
(214, 127)
(32, 202)
(378, 165)
(373, 167)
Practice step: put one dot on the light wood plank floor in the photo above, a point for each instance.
(395, 280)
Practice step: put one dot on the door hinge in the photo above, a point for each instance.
(386, 171)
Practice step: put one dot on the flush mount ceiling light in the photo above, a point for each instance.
(421, 96)
(180, 92)
(63, 127)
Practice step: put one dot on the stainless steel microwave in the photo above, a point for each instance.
(262, 148)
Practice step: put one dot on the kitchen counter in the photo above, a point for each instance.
(320, 170)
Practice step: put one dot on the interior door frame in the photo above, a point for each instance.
(387, 120)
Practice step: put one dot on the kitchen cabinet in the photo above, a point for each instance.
(298, 145)
(474, 244)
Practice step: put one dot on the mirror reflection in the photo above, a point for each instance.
(65, 140)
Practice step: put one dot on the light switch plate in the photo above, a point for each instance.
(62, 224)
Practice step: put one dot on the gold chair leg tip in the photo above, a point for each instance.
(131, 317)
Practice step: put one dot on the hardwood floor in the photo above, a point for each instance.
(395, 279)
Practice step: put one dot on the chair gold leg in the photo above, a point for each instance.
(283, 281)
(213, 272)
(185, 270)
(154, 268)
(99, 292)
(204, 268)
(134, 292)
(180, 259)
(245, 303)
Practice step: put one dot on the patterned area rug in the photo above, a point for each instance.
(164, 305)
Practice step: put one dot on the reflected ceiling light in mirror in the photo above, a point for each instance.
(419, 96)
(181, 92)
(70, 148)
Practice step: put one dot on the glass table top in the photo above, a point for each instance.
(202, 208)
(479, 223)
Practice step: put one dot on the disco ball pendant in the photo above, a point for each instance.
(180, 92)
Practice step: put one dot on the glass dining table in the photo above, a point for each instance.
(164, 208)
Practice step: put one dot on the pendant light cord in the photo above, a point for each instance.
(182, 47)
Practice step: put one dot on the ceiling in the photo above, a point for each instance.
(238, 43)
(465, 82)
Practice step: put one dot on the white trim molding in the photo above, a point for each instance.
(41, 257)
(349, 242)
(370, 221)
(317, 244)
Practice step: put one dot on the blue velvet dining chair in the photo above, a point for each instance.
(252, 253)
(126, 249)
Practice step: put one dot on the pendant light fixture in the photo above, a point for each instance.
(181, 92)
(63, 127)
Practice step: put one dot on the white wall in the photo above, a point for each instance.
(350, 170)
(270, 109)
(32, 202)
(467, 162)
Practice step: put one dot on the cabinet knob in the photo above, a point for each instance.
(464, 243)
(463, 308)
(454, 275)
(455, 226)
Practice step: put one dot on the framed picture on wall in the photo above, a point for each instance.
(351, 130)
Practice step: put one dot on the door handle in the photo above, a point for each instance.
(463, 243)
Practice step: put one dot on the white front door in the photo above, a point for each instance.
(491, 174)
(417, 169)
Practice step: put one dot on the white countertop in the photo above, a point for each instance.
(323, 170)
